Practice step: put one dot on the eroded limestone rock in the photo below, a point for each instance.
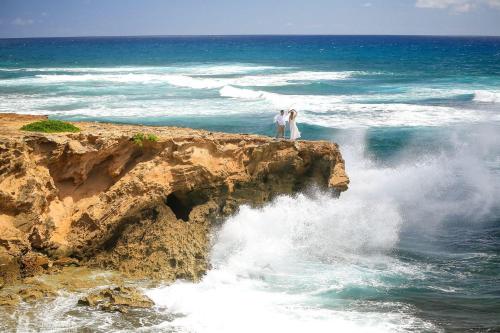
(119, 299)
(66, 261)
(99, 198)
(34, 263)
(9, 300)
(35, 291)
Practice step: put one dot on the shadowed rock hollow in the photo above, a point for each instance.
(145, 210)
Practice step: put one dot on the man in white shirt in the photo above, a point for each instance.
(280, 121)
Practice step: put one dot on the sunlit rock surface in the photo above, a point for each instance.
(99, 199)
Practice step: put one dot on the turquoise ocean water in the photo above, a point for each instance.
(414, 245)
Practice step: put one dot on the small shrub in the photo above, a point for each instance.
(152, 138)
(50, 126)
(139, 138)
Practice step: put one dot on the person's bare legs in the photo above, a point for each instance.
(280, 132)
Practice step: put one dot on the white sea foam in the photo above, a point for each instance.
(411, 93)
(126, 69)
(272, 265)
(315, 110)
(487, 96)
(97, 92)
(391, 115)
(198, 69)
(337, 111)
(280, 79)
(120, 106)
(124, 78)
(180, 80)
(311, 102)
(205, 69)
(270, 262)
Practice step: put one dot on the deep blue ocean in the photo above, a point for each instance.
(412, 246)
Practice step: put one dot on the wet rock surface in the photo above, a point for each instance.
(119, 299)
(36, 291)
(9, 300)
(28, 290)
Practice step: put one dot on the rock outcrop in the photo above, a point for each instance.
(98, 198)
(119, 299)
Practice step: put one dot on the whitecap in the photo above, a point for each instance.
(181, 78)
(487, 96)
(200, 69)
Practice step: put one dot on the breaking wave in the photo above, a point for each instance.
(219, 89)
(219, 69)
(487, 96)
(338, 111)
(180, 80)
(295, 264)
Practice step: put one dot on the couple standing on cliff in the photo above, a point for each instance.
(280, 121)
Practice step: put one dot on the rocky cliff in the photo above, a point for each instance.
(144, 207)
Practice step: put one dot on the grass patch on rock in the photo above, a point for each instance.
(50, 126)
(139, 138)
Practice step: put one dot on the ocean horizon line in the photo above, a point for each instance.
(253, 35)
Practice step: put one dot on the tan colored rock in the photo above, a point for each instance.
(13, 244)
(66, 261)
(10, 270)
(78, 279)
(9, 300)
(117, 299)
(34, 263)
(145, 210)
(338, 178)
(36, 291)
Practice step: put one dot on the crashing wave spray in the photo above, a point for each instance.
(290, 265)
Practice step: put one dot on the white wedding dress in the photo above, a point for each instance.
(294, 130)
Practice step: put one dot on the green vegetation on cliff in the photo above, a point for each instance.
(50, 126)
(139, 138)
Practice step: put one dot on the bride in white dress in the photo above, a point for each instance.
(294, 130)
